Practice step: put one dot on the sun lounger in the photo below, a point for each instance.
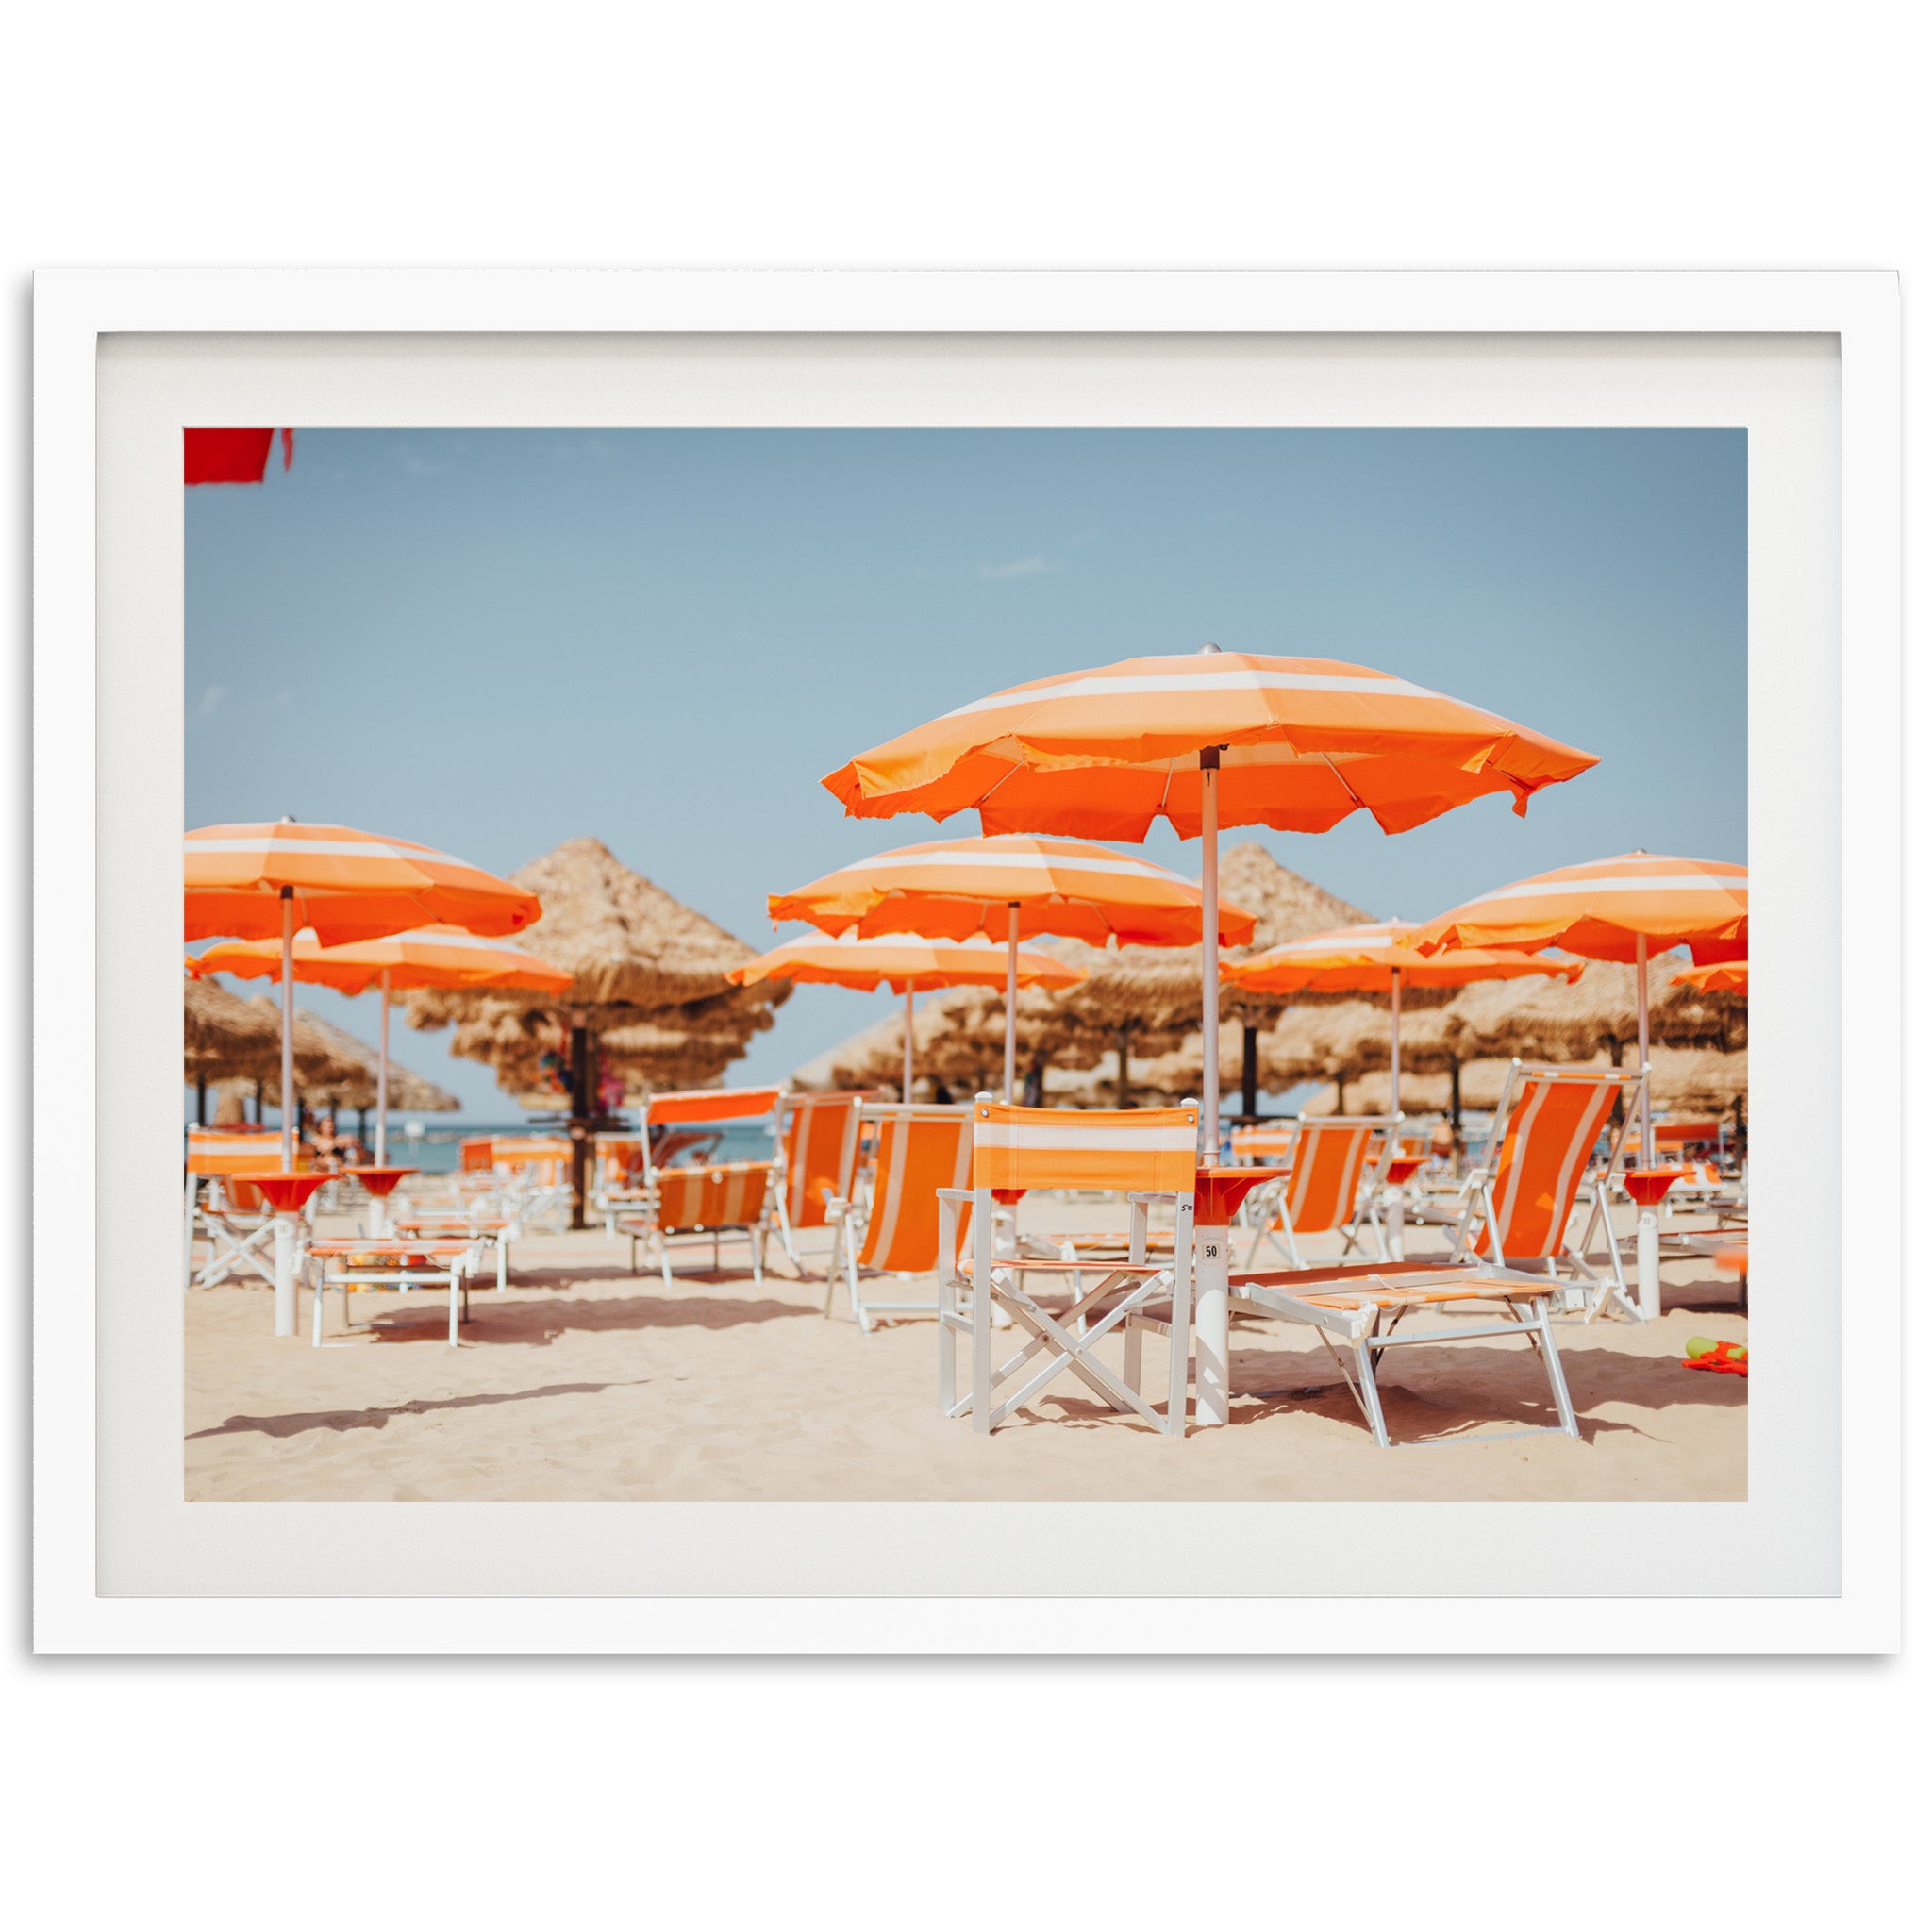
(687, 1205)
(818, 1140)
(1149, 1157)
(349, 1262)
(1355, 1309)
(492, 1233)
(918, 1151)
(1332, 1184)
(1537, 1166)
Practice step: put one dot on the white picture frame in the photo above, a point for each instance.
(273, 331)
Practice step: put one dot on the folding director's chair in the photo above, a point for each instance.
(688, 1204)
(1147, 1155)
(222, 1207)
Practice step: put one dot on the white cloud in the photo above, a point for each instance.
(1020, 567)
(210, 700)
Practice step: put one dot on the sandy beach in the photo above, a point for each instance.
(585, 1382)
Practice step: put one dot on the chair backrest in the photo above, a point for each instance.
(820, 1143)
(1539, 1149)
(1149, 1150)
(224, 1150)
(1330, 1154)
(620, 1161)
(707, 1104)
(1263, 1146)
(545, 1159)
(920, 1150)
(478, 1156)
(729, 1195)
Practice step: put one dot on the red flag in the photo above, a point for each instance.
(229, 456)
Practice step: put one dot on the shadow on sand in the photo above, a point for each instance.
(342, 1419)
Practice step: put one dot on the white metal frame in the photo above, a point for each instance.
(644, 1225)
(397, 1275)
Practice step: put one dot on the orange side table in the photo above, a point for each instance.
(287, 1194)
(1648, 1186)
(1218, 1191)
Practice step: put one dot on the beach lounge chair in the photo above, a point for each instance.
(533, 1179)
(1521, 1195)
(1268, 1146)
(701, 1201)
(917, 1151)
(490, 1233)
(349, 1262)
(1332, 1185)
(819, 1139)
(1147, 1155)
(1356, 1308)
(617, 1177)
(222, 1208)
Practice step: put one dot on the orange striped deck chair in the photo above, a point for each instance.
(1538, 1164)
(699, 1202)
(818, 1153)
(222, 1208)
(533, 1178)
(1269, 1146)
(917, 1152)
(1149, 1155)
(1332, 1183)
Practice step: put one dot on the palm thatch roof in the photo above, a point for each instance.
(648, 978)
(627, 943)
(228, 1037)
(1158, 988)
(350, 1080)
(1545, 1018)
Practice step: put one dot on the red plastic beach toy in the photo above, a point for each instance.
(1721, 1357)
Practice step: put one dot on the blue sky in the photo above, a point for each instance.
(493, 640)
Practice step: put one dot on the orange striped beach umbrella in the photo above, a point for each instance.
(430, 956)
(1010, 887)
(1624, 909)
(1380, 959)
(907, 962)
(1212, 739)
(261, 881)
(1724, 975)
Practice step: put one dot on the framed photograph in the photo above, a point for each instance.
(622, 1199)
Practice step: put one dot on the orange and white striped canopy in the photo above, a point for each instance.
(1601, 909)
(347, 885)
(1101, 754)
(953, 888)
(1361, 958)
(430, 956)
(903, 961)
(1724, 975)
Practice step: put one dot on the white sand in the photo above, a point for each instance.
(586, 1382)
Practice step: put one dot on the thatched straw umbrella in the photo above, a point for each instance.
(1149, 998)
(350, 1077)
(226, 1038)
(635, 955)
(1551, 1021)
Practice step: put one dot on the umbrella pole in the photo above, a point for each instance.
(1210, 1242)
(1395, 1039)
(288, 1030)
(1645, 1152)
(1012, 986)
(285, 1231)
(382, 1080)
(1210, 956)
(905, 1075)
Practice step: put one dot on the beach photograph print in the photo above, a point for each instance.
(807, 965)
